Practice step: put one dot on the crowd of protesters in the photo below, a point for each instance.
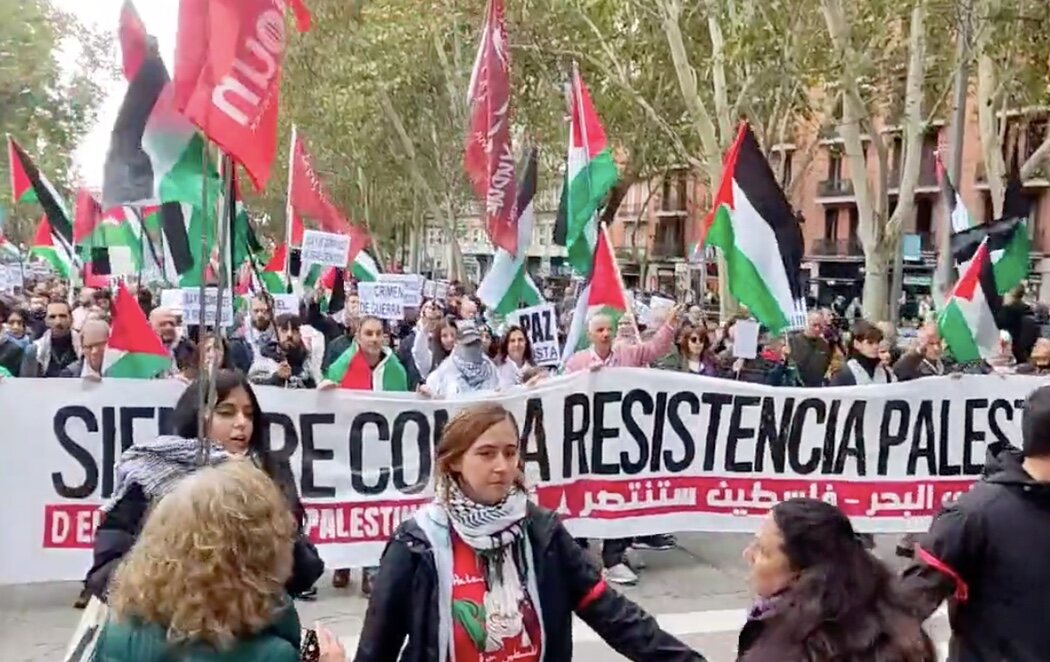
(821, 594)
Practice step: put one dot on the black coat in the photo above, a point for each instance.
(404, 354)
(405, 594)
(11, 356)
(120, 527)
(986, 554)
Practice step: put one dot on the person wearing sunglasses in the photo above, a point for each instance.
(692, 353)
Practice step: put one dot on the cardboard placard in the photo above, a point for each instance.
(384, 300)
(325, 248)
(540, 324)
(191, 302)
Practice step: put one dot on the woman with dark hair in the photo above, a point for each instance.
(440, 343)
(187, 357)
(482, 573)
(515, 357)
(147, 471)
(692, 352)
(822, 596)
(864, 366)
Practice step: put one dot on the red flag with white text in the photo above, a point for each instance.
(228, 75)
(489, 157)
(309, 198)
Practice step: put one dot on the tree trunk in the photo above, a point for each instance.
(876, 283)
(991, 147)
(702, 123)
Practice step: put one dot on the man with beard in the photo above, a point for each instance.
(286, 361)
(56, 349)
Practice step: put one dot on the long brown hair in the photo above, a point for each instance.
(460, 434)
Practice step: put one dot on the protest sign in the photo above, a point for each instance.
(383, 300)
(285, 304)
(617, 453)
(171, 299)
(10, 277)
(325, 248)
(411, 284)
(745, 339)
(540, 324)
(191, 306)
(429, 289)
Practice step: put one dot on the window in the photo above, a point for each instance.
(854, 222)
(780, 164)
(675, 186)
(834, 164)
(831, 224)
(924, 223)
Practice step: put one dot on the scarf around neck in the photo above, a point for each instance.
(497, 535)
(478, 372)
(157, 466)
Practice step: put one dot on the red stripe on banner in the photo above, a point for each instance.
(962, 589)
(596, 592)
(70, 526)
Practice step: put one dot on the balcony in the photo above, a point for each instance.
(1039, 178)
(834, 189)
(836, 248)
(927, 182)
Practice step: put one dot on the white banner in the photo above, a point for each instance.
(191, 306)
(325, 248)
(412, 284)
(618, 452)
(285, 304)
(540, 324)
(383, 300)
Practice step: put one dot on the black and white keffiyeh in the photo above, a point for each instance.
(156, 466)
(496, 533)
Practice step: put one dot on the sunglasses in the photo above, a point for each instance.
(694, 339)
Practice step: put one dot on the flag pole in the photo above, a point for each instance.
(288, 210)
(604, 236)
(203, 375)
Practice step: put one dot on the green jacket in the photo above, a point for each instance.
(137, 641)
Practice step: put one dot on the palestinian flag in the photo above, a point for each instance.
(508, 286)
(8, 251)
(756, 229)
(156, 156)
(46, 247)
(365, 268)
(1008, 243)
(967, 323)
(105, 241)
(589, 176)
(272, 274)
(961, 219)
(134, 351)
(29, 184)
(351, 371)
(602, 295)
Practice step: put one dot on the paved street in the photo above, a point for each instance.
(697, 591)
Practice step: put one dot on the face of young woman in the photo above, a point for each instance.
(771, 571)
(231, 422)
(516, 346)
(489, 468)
(448, 338)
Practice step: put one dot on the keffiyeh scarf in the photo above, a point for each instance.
(497, 535)
(157, 466)
(478, 372)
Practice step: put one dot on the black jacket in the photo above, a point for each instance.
(11, 356)
(120, 527)
(986, 553)
(404, 601)
(404, 354)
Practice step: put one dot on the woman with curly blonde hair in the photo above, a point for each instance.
(205, 580)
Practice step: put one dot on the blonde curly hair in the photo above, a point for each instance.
(212, 559)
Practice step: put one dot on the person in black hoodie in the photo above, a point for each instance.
(481, 570)
(149, 470)
(986, 552)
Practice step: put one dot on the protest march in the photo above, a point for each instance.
(242, 399)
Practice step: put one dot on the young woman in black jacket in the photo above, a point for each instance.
(147, 471)
(482, 572)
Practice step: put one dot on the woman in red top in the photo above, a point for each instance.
(483, 575)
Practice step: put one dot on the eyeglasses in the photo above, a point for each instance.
(694, 339)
